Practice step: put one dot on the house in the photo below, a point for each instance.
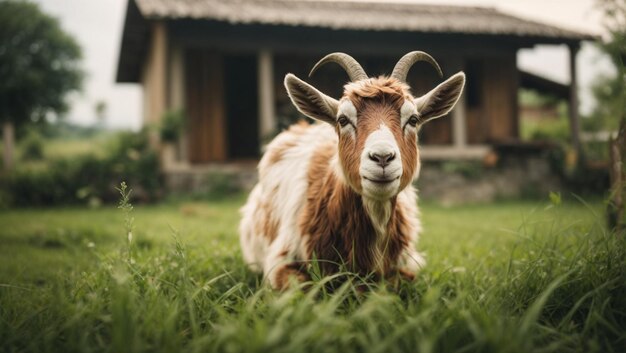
(223, 62)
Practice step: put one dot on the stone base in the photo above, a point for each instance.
(513, 176)
(211, 177)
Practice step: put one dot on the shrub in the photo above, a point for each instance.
(88, 179)
(468, 169)
(219, 185)
(579, 177)
(172, 125)
(32, 147)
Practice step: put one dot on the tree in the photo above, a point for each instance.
(39, 66)
(610, 94)
(610, 91)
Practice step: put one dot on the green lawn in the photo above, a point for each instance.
(73, 147)
(66, 147)
(507, 277)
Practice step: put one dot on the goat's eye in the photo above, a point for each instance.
(413, 120)
(343, 120)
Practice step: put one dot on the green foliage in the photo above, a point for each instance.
(66, 130)
(607, 91)
(579, 177)
(610, 90)
(510, 277)
(126, 207)
(172, 124)
(219, 185)
(468, 169)
(549, 129)
(87, 178)
(615, 23)
(38, 63)
(553, 130)
(596, 150)
(32, 146)
(555, 198)
(531, 98)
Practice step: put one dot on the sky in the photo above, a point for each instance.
(97, 25)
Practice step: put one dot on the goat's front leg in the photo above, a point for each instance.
(411, 262)
(281, 269)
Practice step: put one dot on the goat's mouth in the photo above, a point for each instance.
(381, 181)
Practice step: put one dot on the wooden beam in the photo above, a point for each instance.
(286, 40)
(473, 152)
(573, 99)
(543, 85)
(267, 114)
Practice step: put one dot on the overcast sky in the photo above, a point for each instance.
(97, 25)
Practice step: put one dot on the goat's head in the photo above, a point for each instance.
(377, 121)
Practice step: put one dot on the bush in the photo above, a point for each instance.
(468, 169)
(32, 147)
(88, 179)
(220, 185)
(579, 177)
(171, 125)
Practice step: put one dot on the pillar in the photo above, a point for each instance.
(154, 79)
(459, 123)
(176, 94)
(267, 114)
(573, 99)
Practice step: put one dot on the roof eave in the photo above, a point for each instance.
(134, 34)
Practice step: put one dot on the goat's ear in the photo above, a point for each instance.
(441, 99)
(310, 101)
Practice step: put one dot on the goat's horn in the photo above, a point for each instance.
(348, 63)
(403, 66)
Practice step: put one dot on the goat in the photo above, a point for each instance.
(340, 191)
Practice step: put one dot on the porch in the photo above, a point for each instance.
(228, 80)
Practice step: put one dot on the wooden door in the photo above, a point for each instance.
(500, 97)
(205, 106)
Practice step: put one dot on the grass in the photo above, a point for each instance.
(508, 277)
(65, 147)
(73, 147)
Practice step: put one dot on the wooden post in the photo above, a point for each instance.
(176, 77)
(267, 114)
(159, 46)
(177, 95)
(459, 122)
(154, 79)
(573, 101)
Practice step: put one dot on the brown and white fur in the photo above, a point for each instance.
(340, 191)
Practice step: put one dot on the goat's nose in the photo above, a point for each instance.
(382, 159)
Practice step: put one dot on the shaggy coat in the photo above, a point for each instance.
(340, 191)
